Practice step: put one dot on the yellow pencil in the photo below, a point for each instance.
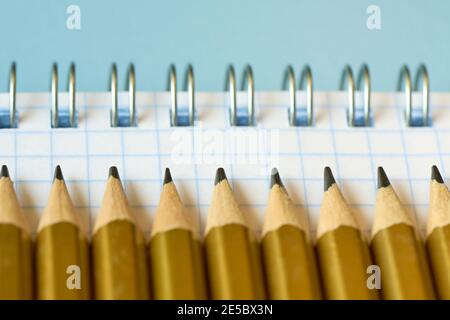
(232, 250)
(118, 248)
(62, 250)
(397, 248)
(438, 234)
(288, 254)
(15, 245)
(178, 270)
(343, 253)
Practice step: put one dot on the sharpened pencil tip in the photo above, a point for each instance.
(275, 178)
(220, 175)
(383, 180)
(113, 172)
(328, 178)
(58, 174)
(167, 176)
(4, 172)
(436, 175)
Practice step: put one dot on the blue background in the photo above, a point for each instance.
(211, 34)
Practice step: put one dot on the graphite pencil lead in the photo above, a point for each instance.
(436, 175)
(328, 178)
(220, 175)
(4, 172)
(275, 178)
(58, 174)
(113, 172)
(167, 176)
(383, 180)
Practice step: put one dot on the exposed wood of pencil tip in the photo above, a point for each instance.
(281, 211)
(334, 211)
(439, 209)
(114, 204)
(10, 210)
(388, 208)
(224, 208)
(171, 213)
(59, 206)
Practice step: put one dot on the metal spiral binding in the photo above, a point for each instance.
(179, 117)
(122, 117)
(8, 118)
(62, 119)
(347, 74)
(289, 78)
(125, 117)
(236, 119)
(404, 80)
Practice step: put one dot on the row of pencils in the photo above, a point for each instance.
(229, 262)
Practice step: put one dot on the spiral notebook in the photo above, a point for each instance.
(193, 153)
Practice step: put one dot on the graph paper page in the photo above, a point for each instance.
(247, 153)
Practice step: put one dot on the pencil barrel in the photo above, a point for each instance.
(405, 273)
(177, 264)
(234, 263)
(120, 262)
(344, 257)
(438, 247)
(15, 263)
(290, 265)
(62, 263)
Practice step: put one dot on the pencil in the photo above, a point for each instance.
(15, 245)
(62, 250)
(289, 259)
(232, 250)
(438, 234)
(343, 253)
(175, 250)
(397, 249)
(118, 248)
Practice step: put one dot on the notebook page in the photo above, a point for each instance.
(247, 153)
